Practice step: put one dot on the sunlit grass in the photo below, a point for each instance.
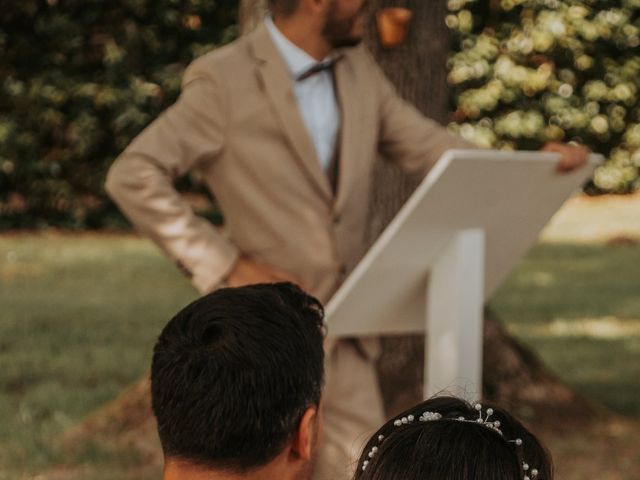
(579, 308)
(79, 315)
(79, 318)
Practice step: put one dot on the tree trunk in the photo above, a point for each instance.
(513, 375)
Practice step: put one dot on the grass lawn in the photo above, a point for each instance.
(578, 306)
(79, 318)
(81, 313)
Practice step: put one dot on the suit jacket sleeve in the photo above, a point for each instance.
(407, 137)
(141, 180)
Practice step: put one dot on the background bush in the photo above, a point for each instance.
(530, 71)
(78, 80)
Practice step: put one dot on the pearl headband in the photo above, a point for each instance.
(529, 473)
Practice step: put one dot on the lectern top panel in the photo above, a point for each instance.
(509, 195)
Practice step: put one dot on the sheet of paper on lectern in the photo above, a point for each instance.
(509, 195)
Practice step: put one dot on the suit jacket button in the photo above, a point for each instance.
(343, 269)
(336, 219)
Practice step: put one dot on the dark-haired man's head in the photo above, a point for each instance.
(339, 22)
(236, 378)
(448, 438)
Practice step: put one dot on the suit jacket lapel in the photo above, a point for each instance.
(278, 86)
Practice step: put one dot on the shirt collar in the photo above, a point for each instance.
(298, 61)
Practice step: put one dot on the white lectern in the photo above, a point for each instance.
(461, 232)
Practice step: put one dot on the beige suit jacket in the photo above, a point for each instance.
(237, 123)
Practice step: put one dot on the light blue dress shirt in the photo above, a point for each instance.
(315, 95)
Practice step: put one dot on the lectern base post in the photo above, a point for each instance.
(455, 298)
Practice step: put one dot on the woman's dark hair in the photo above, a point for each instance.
(233, 373)
(450, 449)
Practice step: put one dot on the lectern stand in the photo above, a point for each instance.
(472, 218)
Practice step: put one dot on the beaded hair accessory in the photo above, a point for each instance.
(529, 473)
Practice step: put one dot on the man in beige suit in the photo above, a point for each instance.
(284, 125)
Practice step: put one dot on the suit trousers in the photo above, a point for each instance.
(352, 409)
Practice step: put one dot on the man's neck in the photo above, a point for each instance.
(305, 36)
(180, 470)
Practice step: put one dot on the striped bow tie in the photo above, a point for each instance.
(327, 65)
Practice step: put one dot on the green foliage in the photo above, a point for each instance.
(78, 80)
(532, 71)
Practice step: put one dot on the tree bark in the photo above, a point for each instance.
(513, 375)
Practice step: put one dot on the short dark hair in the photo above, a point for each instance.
(452, 449)
(233, 373)
(283, 8)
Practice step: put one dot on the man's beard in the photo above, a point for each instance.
(339, 32)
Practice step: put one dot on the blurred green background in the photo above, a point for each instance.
(80, 314)
(530, 71)
(80, 78)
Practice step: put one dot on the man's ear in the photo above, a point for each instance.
(306, 436)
